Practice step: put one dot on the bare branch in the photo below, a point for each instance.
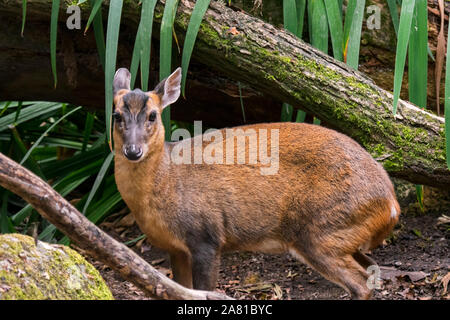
(90, 238)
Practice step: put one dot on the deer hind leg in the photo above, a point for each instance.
(343, 270)
(364, 260)
(180, 262)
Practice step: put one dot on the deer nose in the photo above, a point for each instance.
(132, 152)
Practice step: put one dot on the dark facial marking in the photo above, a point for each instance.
(135, 101)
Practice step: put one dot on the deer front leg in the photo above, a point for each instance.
(205, 267)
(180, 262)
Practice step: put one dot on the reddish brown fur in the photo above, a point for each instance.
(329, 200)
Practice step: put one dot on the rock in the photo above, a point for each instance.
(46, 271)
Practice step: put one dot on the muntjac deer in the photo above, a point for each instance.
(327, 203)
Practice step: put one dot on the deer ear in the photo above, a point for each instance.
(122, 80)
(168, 90)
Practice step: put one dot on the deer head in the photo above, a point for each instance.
(138, 126)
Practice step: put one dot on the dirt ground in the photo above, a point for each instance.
(413, 266)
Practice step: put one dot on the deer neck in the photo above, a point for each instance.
(138, 182)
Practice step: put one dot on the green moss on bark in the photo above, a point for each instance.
(299, 76)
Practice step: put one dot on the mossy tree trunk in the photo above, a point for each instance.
(410, 145)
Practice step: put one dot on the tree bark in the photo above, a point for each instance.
(25, 70)
(410, 145)
(90, 238)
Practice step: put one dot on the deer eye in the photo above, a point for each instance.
(117, 116)
(152, 116)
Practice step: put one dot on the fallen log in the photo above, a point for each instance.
(410, 145)
(90, 238)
